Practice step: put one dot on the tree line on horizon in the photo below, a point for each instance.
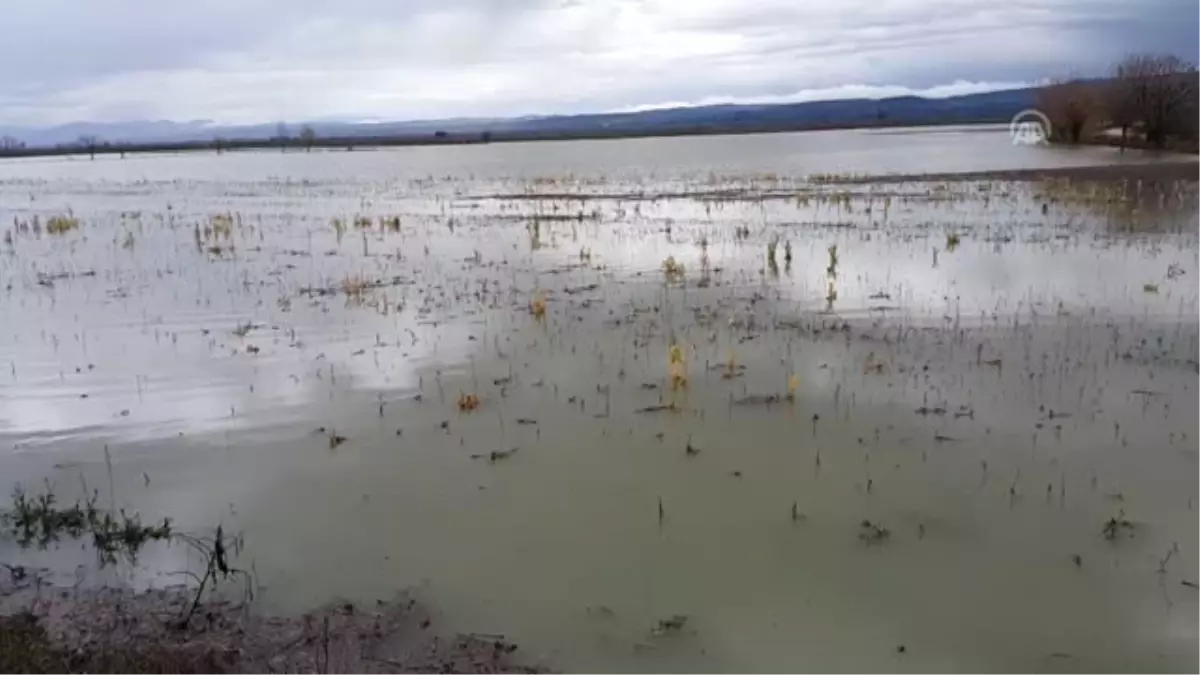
(1150, 98)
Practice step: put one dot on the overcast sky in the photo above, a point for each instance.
(241, 61)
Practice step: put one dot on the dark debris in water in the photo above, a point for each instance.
(669, 626)
(495, 455)
(1117, 526)
(873, 533)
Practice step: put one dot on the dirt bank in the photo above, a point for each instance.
(56, 629)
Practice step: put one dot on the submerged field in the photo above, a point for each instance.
(837, 424)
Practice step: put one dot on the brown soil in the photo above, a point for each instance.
(45, 629)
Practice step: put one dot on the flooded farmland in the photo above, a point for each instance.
(706, 404)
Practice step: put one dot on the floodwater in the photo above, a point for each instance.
(897, 454)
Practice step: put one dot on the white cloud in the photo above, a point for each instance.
(254, 61)
(848, 91)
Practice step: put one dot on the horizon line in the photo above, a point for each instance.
(847, 92)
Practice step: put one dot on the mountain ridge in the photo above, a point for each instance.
(995, 106)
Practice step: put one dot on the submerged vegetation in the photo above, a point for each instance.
(468, 402)
(40, 521)
(61, 224)
(673, 271)
(538, 306)
(474, 364)
(677, 368)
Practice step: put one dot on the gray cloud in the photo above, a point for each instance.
(253, 61)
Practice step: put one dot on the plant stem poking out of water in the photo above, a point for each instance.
(335, 440)
(1115, 526)
(796, 515)
(535, 234)
(677, 368)
(831, 270)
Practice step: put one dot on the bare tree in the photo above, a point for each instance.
(89, 143)
(1071, 106)
(1157, 92)
(307, 136)
(1119, 103)
(11, 143)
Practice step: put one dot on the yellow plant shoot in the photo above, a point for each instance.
(677, 367)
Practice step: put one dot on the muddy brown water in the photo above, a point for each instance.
(992, 372)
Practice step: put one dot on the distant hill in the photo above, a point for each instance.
(999, 106)
(904, 110)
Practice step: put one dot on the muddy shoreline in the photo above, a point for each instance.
(109, 628)
(1182, 170)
